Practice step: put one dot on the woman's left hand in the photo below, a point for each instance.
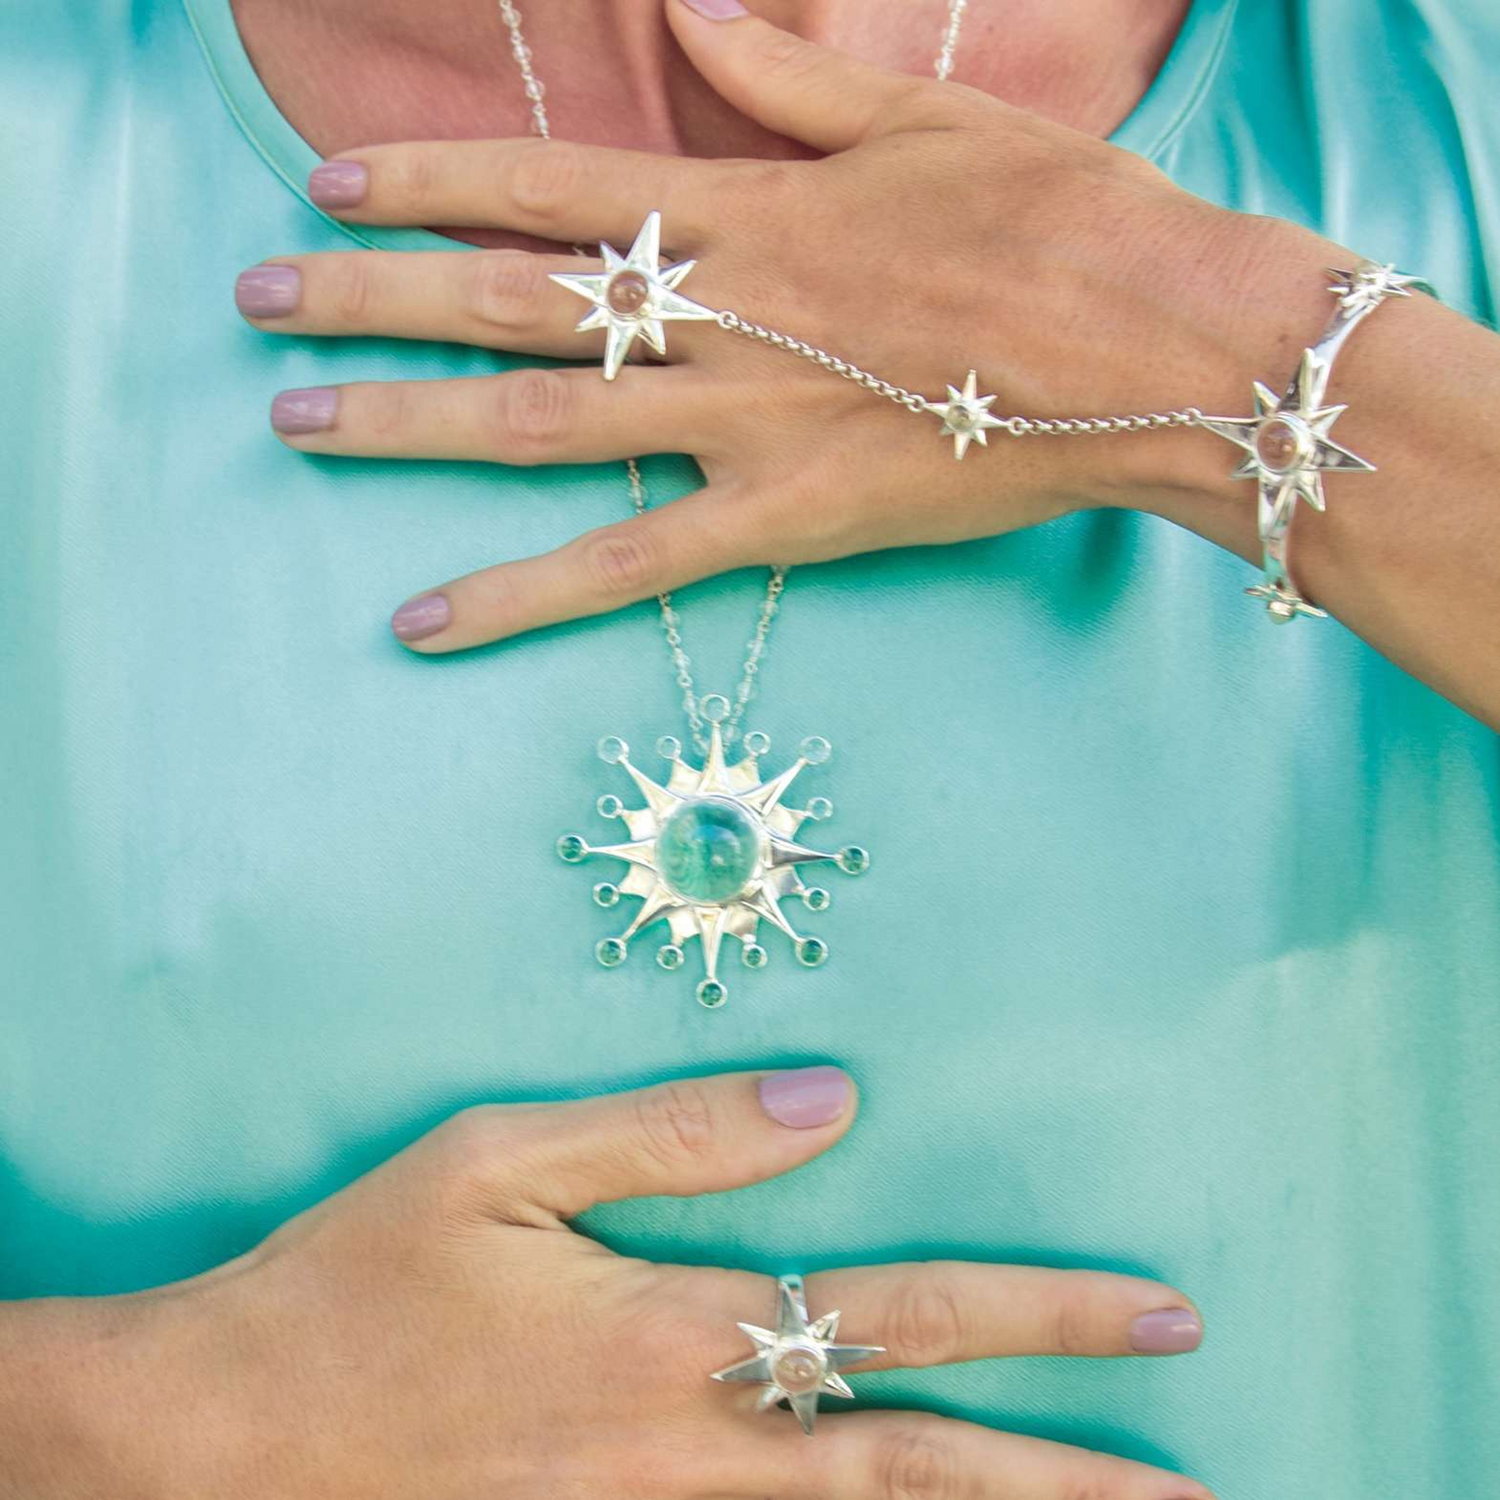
(944, 230)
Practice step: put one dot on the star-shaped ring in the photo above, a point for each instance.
(799, 1359)
(634, 295)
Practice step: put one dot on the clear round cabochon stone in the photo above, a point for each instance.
(1278, 445)
(798, 1371)
(627, 293)
(708, 850)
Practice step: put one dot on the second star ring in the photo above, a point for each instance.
(799, 1359)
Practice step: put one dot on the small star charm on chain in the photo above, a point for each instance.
(799, 1359)
(634, 295)
(966, 416)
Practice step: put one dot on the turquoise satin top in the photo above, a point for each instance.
(1179, 952)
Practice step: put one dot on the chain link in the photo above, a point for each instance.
(682, 663)
(1083, 426)
(897, 393)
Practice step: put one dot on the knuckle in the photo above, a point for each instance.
(915, 1464)
(504, 288)
(408, 178)
(534, 412)
(620, 561)
(546, 176)
(927, 1320)
(351, 289)
(1073, 1321)
(785, 57)
(385, 408)
(676, 1123)
(1097, 1480)
(466, 1143)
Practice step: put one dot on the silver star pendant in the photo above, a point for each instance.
(799, 1359)
(634, 295)
(966, 416)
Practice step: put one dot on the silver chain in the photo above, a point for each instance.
(897, 393)
(671, 620)
(912, 401)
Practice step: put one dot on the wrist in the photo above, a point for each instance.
(1246, 303)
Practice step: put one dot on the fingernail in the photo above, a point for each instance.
(718, 10)
(311, 410)
(1174, 1330)
(338, 184)
(419, 618)
(268, 291)
(805, 1097)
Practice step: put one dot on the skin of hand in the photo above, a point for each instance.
(437, 1331)
(942, 230)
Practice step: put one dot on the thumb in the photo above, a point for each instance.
(694, 1135)
(794, 87)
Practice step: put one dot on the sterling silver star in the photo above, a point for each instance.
(1286, 442)
(799, 1359)
(966, 416)
(634, 295)
(1368, 285)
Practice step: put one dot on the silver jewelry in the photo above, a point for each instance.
(631, 296)
(712, 853)
(799, 1359)
(1286, 442)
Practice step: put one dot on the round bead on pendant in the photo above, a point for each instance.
(709, 850)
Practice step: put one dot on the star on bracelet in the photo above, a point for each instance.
(1286, 442)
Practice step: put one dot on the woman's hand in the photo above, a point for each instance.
(437, 1331)
(945, 230)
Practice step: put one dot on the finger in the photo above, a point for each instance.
(695, 1135)
(943, 1312)
(522, 417)
(794, 87)
(692, 538)
(557, 190)
(886, 1455)
(491, 299)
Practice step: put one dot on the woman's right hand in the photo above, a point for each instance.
(436, 1331)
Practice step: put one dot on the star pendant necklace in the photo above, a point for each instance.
(716, 849)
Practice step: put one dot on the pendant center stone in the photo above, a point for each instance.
(709, 850)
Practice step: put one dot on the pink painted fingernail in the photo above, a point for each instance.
(718, 10)
(338, 184)
(419, 618)
(805, 1097)
(1174, 1330)
(268, 291)
(310, 410)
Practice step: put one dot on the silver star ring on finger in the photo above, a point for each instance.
(799, 1359)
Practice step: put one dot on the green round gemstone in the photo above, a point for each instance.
(711, 994)
(811, 951)
(708, 850)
